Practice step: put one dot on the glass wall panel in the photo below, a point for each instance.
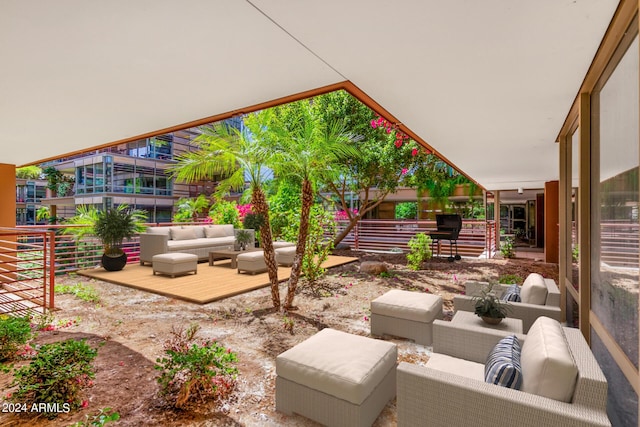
(622, 406)
(615, 228)
(575, 183)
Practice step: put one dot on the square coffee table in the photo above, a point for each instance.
(228, 254)
(508, 324)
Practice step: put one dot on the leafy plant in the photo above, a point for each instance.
(29, 172)
(506, 248)
(82, 291)
(225, 212)
(420, 246)
(575, 253)
(112, 226)
(407, 210)
(243, 237)
(102, 417)
(57, 374)
(510, 279)
(14, 333)
(195, 371)
(487, 304)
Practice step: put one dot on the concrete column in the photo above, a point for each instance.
(551, 222)
(7, 195)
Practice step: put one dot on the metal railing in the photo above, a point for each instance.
(389, 234)
(27, 269)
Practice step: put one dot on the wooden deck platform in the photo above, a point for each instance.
(210, 284)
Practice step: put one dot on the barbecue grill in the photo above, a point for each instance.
(449, 226)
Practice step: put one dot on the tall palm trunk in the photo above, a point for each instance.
(259, 202)
(296, 268)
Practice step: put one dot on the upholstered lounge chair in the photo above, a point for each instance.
(540, 297)
(451, 390)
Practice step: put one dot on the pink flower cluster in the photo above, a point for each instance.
(380, 122)
(343, 215)
(243, 210)
(401, 137)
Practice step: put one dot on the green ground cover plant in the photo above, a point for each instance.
(509, 279)
(80, 290)
(56, 376)
(15, 332)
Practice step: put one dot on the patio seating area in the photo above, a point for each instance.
(211, 283)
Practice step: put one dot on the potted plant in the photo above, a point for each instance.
(243, 238)
(112, 226)
(489, 307)
(253, 221)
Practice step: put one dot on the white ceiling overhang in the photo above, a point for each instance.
(488, 84)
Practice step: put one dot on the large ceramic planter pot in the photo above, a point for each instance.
(492, 320)
(114, 263)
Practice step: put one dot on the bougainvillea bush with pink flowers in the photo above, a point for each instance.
(194, 371)
(56, 376)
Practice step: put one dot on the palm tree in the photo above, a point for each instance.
(308, 150)
(232, 154)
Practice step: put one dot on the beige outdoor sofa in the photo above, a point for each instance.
(540, 297)
(562, 384)
(192, 239)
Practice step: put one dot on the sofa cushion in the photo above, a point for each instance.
(181, 245)
(165, 231)
(512, 294)
(456, 366)
(415, 306)
(214, 231)
(339, 364)
(182, 233)
(534, 290)
(198, 229)
(547, 364)
(503, 364)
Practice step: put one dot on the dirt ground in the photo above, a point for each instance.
(129, 328)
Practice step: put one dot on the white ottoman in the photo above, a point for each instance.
(406, 314)
(337, 379)
(175, 263)
(251, 262)
(285, 255)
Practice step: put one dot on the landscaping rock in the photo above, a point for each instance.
(373, 267)
(343, 246)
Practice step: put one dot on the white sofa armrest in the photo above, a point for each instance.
(467, 342)
(152, 244)
(553, 293)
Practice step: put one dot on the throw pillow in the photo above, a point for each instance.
(503, 364)
(183, 233)
(214, 231)
(512, 294)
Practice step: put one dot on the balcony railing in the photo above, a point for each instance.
(27, 260)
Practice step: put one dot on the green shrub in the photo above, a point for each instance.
(82, 291)
(506, 248)
(14, 333)
(420, 246)
(56, 375)
(195, 371)
(225, 212)
(322, 229)
(510, 279)
(407, 210)
(575, 253)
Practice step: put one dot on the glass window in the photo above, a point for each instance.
(615, 227)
